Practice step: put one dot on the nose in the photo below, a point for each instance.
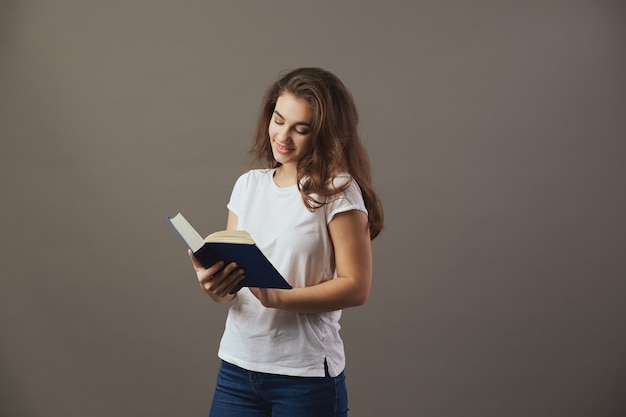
(282, 134)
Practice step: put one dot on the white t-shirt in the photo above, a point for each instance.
(298, 244)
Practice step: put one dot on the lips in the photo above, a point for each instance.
(283, 149)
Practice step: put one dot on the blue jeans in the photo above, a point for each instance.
(242, 393)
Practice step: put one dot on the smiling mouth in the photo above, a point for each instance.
(283, 148)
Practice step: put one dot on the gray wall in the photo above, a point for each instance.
(496, 134)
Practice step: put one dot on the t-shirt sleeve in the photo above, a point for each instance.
(350, 199)
(236, 196)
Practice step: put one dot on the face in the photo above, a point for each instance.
(290, 129)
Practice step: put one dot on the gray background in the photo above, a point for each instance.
(496, 134)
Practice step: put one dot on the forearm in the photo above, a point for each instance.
(330, 295)
(353, 258)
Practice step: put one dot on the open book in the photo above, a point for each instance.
(231, 246)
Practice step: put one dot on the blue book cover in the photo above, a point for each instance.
(231, 246)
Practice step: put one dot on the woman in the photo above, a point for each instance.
(313, 212)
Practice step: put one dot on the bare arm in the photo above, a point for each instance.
(353, 256)
(217, 281)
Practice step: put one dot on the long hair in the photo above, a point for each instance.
(336, 146)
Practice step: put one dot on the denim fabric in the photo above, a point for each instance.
(242, 393)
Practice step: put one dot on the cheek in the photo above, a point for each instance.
(271, 130)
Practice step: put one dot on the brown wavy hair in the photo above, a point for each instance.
(336, 146)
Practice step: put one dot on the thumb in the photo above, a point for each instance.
(196, 263)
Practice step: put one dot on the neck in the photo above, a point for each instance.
(285, 176)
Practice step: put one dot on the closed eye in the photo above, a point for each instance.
(301, 128)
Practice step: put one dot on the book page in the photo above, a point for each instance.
(230, 236)
(187, 232)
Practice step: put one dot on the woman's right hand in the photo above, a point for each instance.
(217, 280)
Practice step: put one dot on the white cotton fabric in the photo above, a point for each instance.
(298, 244)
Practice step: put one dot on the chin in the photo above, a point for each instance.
(277, 157)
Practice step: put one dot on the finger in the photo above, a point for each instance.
(225, 283)
(218, 279)
(210, 274)
(196, 263)
(224, 272)
(199, 267)
(206, 283)
(204, 279)
(215, 268)
(228, 282)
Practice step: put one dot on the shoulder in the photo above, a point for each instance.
(251, 182)
(254, 176)
(344, 184)
(335, 184)
(340, 181)
(348, 196)
(257, 173)
(332, 188)
(249, 186)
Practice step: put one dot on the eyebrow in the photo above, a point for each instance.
(297, 123)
